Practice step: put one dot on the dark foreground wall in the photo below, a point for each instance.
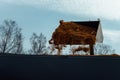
(59, 67)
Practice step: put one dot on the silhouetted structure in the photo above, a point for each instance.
(77, 33)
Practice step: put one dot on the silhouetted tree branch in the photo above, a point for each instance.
(103, 49)
(10, 37)
(38, 44)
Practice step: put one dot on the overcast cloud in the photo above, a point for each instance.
(113, 35)
(108, 9)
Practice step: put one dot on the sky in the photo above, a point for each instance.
(42, 16)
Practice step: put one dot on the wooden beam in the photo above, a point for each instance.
(91, 49)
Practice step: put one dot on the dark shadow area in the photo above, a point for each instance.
(31, 67)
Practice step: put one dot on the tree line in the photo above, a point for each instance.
(11, 41)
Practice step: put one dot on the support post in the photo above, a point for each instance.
(91, 49)
(59, 52)
(59, 48)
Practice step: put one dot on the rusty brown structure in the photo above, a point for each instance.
(77, 33)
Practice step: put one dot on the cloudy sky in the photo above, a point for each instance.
(44, 15)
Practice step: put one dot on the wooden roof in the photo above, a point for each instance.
(93, 24)
(83, 32)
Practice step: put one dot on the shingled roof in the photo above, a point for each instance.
(93, 24)
(83, 32)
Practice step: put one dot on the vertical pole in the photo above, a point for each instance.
(91, 49)
(59, 51)
(59, 48)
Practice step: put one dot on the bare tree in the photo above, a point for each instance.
(19, 43)
(103, 49)
(38, 44)
(51, 49)
(10, 37)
